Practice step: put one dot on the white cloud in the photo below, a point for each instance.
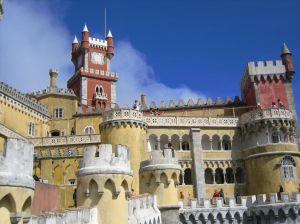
(31, 42)
(136, 77)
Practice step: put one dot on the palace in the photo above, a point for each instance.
(131, 165)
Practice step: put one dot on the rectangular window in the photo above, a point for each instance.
(58, 112)
(31, 129)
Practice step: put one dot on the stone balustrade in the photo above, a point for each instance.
(267, 207)
(143, 209)
(66, 140)
(182, 121)
(266, 114)
(122, 114)
(12, 93)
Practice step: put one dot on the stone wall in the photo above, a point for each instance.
(16, 164)
(143, 209)
(74, 216)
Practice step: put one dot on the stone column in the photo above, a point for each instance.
(180, 144)
(214, 177)
(198, 169)
(211, 144)
(224, 173)
(158, 144)
(182, 174)
(221, 144)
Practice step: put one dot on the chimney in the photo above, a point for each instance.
(143, 99)
(53, 72)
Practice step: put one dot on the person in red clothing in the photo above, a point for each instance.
(216, 194)
(181, 196)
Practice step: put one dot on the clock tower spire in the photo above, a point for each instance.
(92, 81)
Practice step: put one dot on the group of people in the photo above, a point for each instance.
(155, 112)
(279, 105)
(220, 194)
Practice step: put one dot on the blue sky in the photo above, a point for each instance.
(196, 47)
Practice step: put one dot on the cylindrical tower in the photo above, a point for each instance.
(126, 127)
(16, 182)
(104, 180)
(159, 176)
(271, 154)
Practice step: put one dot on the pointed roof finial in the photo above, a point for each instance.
(285, 49)
(75, 41)
(85, 29)
(109, 34)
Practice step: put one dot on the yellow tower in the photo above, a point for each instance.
(104, 179)
(16, 182)
(271, 153)
(159, 176)
(126, 127)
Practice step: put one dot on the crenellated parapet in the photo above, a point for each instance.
(248, 208)
(102, 160)
(143, 209)
(16, 164)
(161, 159)
(119, 117)
(8, 93)
(160, 176)
(262, 71)
(201, 102)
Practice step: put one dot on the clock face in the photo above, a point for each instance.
(97, 58)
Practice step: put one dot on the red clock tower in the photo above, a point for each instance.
(93, 82)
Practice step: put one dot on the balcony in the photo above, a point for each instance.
(65, 140)
(266, 114)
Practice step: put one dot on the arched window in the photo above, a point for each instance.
(185, 146)
(175, 142)
(229, 176)
(226, 144)
(186, 142)
(275, 137)
(152, 142)
(239, 175)
(89, 130)
(216, 142)
(288, 168)
(188, 176)
(209, 178)
(205, 142)
(219, 176)
(164, 140)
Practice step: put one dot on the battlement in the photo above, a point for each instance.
(201, 102)
(143, 209)
(215, 209)
(97, 43)
(10, 92)
(161, 159)
(265, 68)
(104, 160)
(16, 164)
(56, 91)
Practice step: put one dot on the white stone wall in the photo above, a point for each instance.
(16, 164)
(106, 162)
(143, 209)
(79, 216)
